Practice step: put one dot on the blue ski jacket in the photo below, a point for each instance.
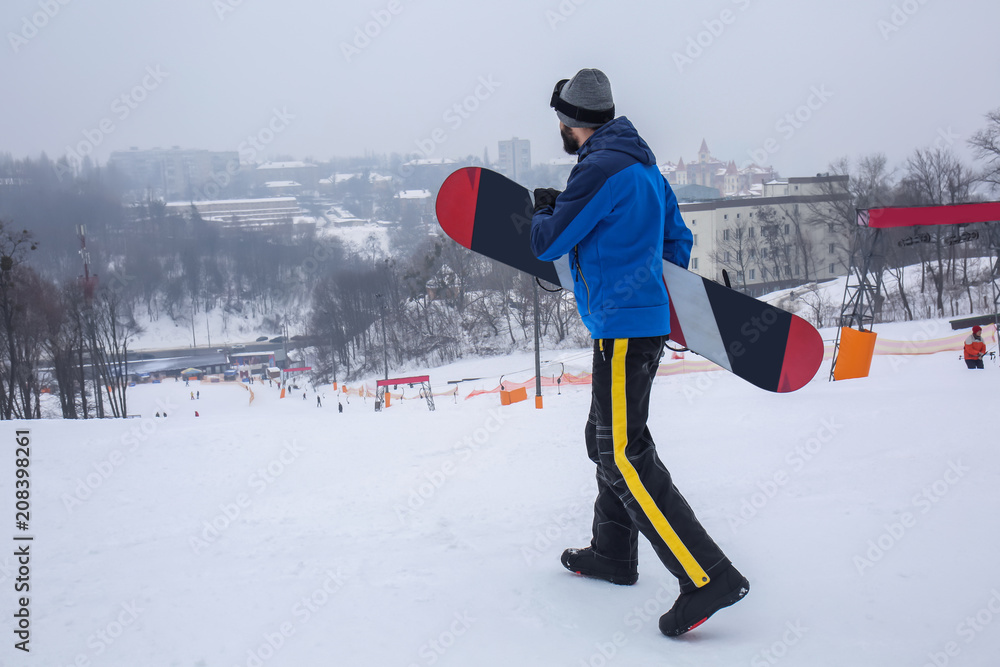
(616, 219)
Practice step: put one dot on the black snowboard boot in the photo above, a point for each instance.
(589, 564)
(692, 609)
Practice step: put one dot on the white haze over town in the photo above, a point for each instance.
(795, 84)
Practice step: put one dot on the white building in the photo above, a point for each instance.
(772, 241)
(241, 212)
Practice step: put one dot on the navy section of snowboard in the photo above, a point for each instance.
(769, 347)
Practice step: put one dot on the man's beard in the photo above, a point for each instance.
(570, 144)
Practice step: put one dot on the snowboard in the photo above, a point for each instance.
(771, 348)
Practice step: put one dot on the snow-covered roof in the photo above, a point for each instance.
(424, 162)
(414, 194)
(285, 165)
(269, 200)
(282, 184)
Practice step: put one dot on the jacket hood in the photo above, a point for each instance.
(618, 135)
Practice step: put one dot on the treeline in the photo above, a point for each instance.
(957, 264)
(438, 305)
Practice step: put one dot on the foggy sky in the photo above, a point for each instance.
(796, 83)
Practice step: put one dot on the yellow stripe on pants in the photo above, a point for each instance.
(619, 430)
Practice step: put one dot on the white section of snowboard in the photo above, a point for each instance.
(562, 270)
(694, 312)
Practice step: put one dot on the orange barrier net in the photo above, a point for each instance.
(918, 345)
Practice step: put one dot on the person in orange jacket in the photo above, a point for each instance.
(975, 348)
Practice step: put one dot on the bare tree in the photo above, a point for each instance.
(736, 249)
(986, 145)
(936, 177)
(15, 369)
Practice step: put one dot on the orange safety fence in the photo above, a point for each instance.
(933, 346)
(684, 366)
(247, 387)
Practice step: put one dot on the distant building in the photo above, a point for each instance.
(725, 177)
(301, 172)
(777, 240)
(241, 212)
(514, 158)
(416, 203)
(177, 173)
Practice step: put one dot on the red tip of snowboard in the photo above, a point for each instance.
(456, 204)
(803, 356)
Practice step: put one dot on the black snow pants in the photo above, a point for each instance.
(635, 493)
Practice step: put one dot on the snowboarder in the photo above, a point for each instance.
(616, 207)
(975, 348)
(340, 407)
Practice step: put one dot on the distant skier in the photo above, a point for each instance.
(192, 395)
(340, 407)
(199, 394)
(319, 403)
(616, 208)
(975, 348)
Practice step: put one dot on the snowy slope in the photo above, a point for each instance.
(282, 534)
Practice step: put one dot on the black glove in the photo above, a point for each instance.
(545, 197)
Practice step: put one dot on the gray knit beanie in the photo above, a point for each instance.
(589, 90)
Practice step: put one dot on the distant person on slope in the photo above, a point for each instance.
(975, 348)
(615, 220)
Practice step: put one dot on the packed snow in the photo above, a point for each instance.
(279, 533)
